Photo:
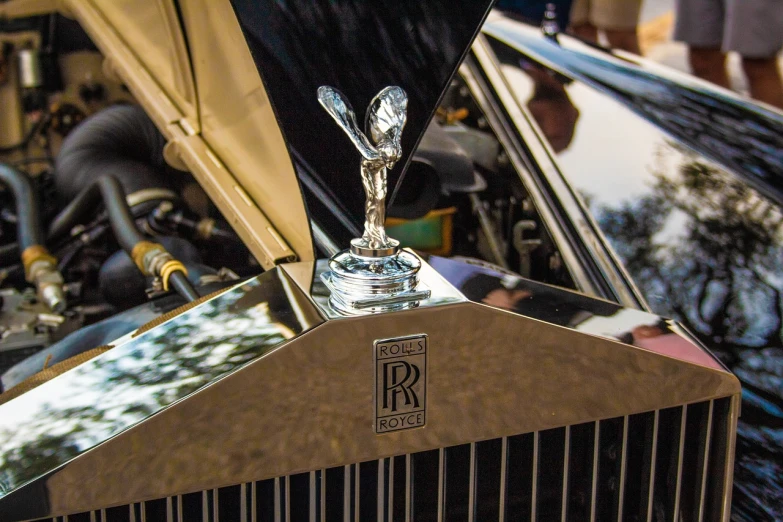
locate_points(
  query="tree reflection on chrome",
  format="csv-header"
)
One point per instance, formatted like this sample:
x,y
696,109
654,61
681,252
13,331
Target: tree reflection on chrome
x,y
707,249
125,385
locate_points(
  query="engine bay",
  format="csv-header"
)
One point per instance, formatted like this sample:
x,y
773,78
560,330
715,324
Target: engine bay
x,y
99,235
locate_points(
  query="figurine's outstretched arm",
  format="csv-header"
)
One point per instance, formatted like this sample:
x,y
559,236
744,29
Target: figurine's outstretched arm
x,y
340,109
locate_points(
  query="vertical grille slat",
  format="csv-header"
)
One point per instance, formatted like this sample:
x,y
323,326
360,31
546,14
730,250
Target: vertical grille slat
x,y
680,452
653,457
566,456
719,460
623,465
663,465
503,479
534,487
594,487
706,461
667,463
441,482
472,487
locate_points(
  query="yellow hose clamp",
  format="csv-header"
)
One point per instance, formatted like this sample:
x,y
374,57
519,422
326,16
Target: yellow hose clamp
x,y
168,268
139,254
35,254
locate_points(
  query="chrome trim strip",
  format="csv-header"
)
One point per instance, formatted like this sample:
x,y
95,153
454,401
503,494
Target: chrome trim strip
x,y
408,488
391,489
680,454
441,483
356,496
347,493
534,488
653,457
503,478
622,468
253,504
243,502
323,495
705,468
733,418
596,451
381,488
472,488
287,503
313,498
566,458
278,512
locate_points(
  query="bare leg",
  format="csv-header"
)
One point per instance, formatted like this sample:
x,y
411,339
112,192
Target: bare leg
x,y
585,31
764,79
710,65
625,39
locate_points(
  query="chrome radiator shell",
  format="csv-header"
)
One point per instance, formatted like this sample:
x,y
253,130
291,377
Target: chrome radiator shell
x,y
302,399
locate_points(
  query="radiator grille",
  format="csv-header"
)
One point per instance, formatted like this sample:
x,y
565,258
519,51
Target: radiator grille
x,y
664,465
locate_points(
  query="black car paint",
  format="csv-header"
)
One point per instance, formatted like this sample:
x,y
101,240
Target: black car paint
x,y
358,48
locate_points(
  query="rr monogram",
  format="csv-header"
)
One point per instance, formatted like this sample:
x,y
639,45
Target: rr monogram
x,y
400,383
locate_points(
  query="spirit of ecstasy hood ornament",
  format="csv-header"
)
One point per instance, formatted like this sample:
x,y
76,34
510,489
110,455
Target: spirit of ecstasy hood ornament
x,y
386,117
374,276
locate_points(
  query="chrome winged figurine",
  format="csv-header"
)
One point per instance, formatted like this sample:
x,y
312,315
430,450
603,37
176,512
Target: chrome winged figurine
x,y
385,120
374,275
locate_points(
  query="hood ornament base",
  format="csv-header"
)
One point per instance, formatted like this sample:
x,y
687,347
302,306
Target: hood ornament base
x,y
373,275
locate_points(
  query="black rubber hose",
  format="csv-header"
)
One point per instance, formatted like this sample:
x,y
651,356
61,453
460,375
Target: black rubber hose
x,y
108,189
121,220
179,281
29,231
119,141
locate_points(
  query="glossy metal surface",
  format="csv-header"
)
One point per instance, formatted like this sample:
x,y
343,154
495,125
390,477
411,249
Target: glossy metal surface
x,y
309,405
431,288
683,181
361,284
73,413
573,310
357,47
385,119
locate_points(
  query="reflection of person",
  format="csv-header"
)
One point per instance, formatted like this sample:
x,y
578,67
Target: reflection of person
x,y
535,300
752,28
660,339
551,107
616,18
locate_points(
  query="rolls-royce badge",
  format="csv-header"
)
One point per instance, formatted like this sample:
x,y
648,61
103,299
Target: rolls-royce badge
x,y
400,383
373,275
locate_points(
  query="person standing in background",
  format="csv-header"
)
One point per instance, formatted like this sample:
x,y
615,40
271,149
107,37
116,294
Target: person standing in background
x,y
618,20
533,11
752,28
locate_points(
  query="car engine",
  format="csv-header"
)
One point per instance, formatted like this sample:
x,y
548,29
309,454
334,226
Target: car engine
x,y
97,230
